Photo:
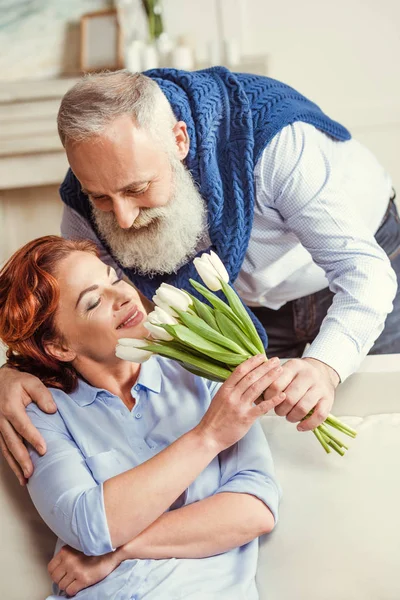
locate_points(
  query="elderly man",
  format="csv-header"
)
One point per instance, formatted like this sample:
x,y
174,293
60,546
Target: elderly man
x,y
168,164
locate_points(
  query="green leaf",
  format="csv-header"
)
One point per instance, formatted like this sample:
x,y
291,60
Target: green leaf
x,y
201,372
208,367
205,312
199,326
210,349
217,303
237,306
233,332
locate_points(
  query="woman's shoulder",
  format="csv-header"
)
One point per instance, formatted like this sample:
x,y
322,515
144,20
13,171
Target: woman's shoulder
x,y
63,401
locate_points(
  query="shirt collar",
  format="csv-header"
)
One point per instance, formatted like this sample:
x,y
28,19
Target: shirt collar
x,y
85,393
149,377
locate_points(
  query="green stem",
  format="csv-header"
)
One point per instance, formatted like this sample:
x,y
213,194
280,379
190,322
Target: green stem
x,y
335,447
334,422
321,440
329,435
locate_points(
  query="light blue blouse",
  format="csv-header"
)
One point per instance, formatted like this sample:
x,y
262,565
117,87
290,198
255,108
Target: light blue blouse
x,y
93,436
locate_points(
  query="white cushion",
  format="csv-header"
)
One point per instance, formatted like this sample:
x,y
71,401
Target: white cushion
x,y
339,528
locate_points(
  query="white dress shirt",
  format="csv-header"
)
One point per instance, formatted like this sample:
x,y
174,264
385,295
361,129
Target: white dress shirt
x,y
318,204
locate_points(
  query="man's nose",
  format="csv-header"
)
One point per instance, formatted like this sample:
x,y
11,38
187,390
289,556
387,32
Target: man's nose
x,y
125,212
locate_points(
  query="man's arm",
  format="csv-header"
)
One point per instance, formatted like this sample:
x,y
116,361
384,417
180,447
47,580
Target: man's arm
x,y
299,182
17,390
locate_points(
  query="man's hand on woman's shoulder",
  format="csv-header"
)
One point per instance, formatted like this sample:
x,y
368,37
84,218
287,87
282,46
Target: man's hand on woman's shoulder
x,y
17,390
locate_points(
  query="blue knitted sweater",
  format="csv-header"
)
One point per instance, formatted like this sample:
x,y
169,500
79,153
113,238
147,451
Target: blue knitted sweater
x,y
230,117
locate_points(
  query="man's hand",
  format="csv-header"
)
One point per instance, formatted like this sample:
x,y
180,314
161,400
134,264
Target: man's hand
x,y
308,384
17,390
73,571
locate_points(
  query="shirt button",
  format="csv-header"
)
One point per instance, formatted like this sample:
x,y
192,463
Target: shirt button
x,y
138,415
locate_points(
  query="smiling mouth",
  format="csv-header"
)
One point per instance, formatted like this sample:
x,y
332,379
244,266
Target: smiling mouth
x,y
129,321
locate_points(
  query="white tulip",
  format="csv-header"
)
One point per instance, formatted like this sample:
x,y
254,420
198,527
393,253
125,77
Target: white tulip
x,y
211,270
169,297
164,306
159,316
158,333
131,349
219,266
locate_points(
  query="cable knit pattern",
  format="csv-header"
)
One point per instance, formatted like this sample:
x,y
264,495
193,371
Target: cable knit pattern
x,y
230,117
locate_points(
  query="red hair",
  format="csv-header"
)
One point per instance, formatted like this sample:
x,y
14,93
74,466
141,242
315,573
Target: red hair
x,y
29,296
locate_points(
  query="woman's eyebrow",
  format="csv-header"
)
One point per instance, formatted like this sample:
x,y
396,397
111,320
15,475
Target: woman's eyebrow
x,y
91,288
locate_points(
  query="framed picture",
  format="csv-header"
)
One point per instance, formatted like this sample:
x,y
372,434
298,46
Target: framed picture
x,y
101,41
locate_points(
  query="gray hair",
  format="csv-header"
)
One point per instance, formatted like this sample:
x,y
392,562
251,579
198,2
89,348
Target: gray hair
x,y
98,99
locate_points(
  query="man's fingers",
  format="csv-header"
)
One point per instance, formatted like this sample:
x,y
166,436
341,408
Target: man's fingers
x,y
12,463
22,424
16,448
265,406
303,407
319,415
295,392
38,393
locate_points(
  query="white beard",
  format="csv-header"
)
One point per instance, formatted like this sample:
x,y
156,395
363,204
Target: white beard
x,y
161,239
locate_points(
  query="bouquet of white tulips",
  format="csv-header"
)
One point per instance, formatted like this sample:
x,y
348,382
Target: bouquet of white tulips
x,y
209,340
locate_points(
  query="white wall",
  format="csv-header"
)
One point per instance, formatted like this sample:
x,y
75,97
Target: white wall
x,y
344,55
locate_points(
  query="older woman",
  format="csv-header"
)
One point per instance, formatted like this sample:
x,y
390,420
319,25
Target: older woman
x,y
148,468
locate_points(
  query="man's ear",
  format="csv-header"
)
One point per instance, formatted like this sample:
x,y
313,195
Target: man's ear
x,y
182,139
59,351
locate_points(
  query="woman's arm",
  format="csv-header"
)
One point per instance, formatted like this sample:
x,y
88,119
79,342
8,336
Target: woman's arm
x,y
244,507
96,518
205,528
225,520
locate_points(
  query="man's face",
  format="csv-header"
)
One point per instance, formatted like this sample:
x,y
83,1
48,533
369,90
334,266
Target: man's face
x,y
122,171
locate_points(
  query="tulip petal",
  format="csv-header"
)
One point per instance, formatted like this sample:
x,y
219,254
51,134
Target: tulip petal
x,y
207,273
132,354
219,266
158,333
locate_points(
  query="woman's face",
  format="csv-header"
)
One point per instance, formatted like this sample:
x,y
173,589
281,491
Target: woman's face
x,y
96,308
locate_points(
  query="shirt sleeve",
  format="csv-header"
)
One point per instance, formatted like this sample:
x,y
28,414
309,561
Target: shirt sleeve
x,y
76,227
63,490
247,468
300,184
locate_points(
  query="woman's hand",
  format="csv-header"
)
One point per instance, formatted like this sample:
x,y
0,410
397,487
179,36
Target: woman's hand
x,y
232,411
17,390
73,571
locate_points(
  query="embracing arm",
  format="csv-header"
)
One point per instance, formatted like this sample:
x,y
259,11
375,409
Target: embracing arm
x,y
17,390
